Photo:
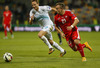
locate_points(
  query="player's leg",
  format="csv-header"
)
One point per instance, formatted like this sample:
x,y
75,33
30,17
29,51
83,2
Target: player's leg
x,y
70,42
80,48
11,32
5,31
59,36
41,35
76,38
72,45
53,43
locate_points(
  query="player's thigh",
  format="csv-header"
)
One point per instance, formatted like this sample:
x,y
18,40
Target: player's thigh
x,y
48,28
75,35
77,41
49,36
72,45
42,33
9,26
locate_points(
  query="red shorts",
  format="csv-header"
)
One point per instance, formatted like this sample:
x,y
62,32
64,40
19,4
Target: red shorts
x,y
70,37
7,25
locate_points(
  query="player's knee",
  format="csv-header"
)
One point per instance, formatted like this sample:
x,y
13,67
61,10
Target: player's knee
x,y
76,41
51,42
39,35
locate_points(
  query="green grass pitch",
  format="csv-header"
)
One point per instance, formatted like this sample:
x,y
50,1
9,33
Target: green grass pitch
x,y
30,52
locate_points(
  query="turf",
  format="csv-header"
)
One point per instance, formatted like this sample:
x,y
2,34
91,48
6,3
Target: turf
x,y
30,52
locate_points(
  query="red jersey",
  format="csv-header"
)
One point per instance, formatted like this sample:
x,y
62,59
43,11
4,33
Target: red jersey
x,y
7,17
65,20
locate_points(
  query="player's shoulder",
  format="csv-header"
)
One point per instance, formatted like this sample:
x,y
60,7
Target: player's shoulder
x,y
67,11
9,11
32,10
4,11
44,7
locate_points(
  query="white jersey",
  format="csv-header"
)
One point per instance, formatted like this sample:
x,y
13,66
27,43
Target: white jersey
x,y
42,15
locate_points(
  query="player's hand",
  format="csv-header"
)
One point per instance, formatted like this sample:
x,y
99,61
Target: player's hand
x,y
63,35
69,28
31,19
30,22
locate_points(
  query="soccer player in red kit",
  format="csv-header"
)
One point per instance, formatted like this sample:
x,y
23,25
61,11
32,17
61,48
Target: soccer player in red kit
x,y
68,21
7,17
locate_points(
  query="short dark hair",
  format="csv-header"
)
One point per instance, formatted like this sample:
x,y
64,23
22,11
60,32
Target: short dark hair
x,y
35,1
62,5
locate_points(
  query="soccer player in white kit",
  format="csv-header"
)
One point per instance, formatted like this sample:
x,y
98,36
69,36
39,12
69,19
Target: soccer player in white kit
x,y
40,14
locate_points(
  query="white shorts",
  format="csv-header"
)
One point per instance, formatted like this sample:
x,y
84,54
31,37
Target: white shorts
x,y
48,29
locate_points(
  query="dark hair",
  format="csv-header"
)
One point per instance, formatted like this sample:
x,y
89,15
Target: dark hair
x,y
35,1
62,5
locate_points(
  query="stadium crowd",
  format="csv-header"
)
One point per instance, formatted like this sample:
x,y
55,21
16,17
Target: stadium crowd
x,y
88,11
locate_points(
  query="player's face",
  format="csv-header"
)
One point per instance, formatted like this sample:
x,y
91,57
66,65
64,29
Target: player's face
x,y
35,5
6,8
59,9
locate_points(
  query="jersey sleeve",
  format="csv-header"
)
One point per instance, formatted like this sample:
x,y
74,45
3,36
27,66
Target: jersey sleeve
x,y
31,13
47,8
72,15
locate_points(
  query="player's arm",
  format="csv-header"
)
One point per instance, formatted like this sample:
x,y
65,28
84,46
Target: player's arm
x,y
57,28
49,8
76,21
61,33
73,17
54,9
31,17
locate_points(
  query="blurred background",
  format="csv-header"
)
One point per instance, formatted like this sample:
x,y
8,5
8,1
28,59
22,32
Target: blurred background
x,y
88,11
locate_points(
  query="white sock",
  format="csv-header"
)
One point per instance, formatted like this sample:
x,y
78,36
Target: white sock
x,y
57,46
46,42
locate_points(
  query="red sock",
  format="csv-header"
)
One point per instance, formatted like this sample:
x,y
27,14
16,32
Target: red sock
x,y
11,31
5,31
80,48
